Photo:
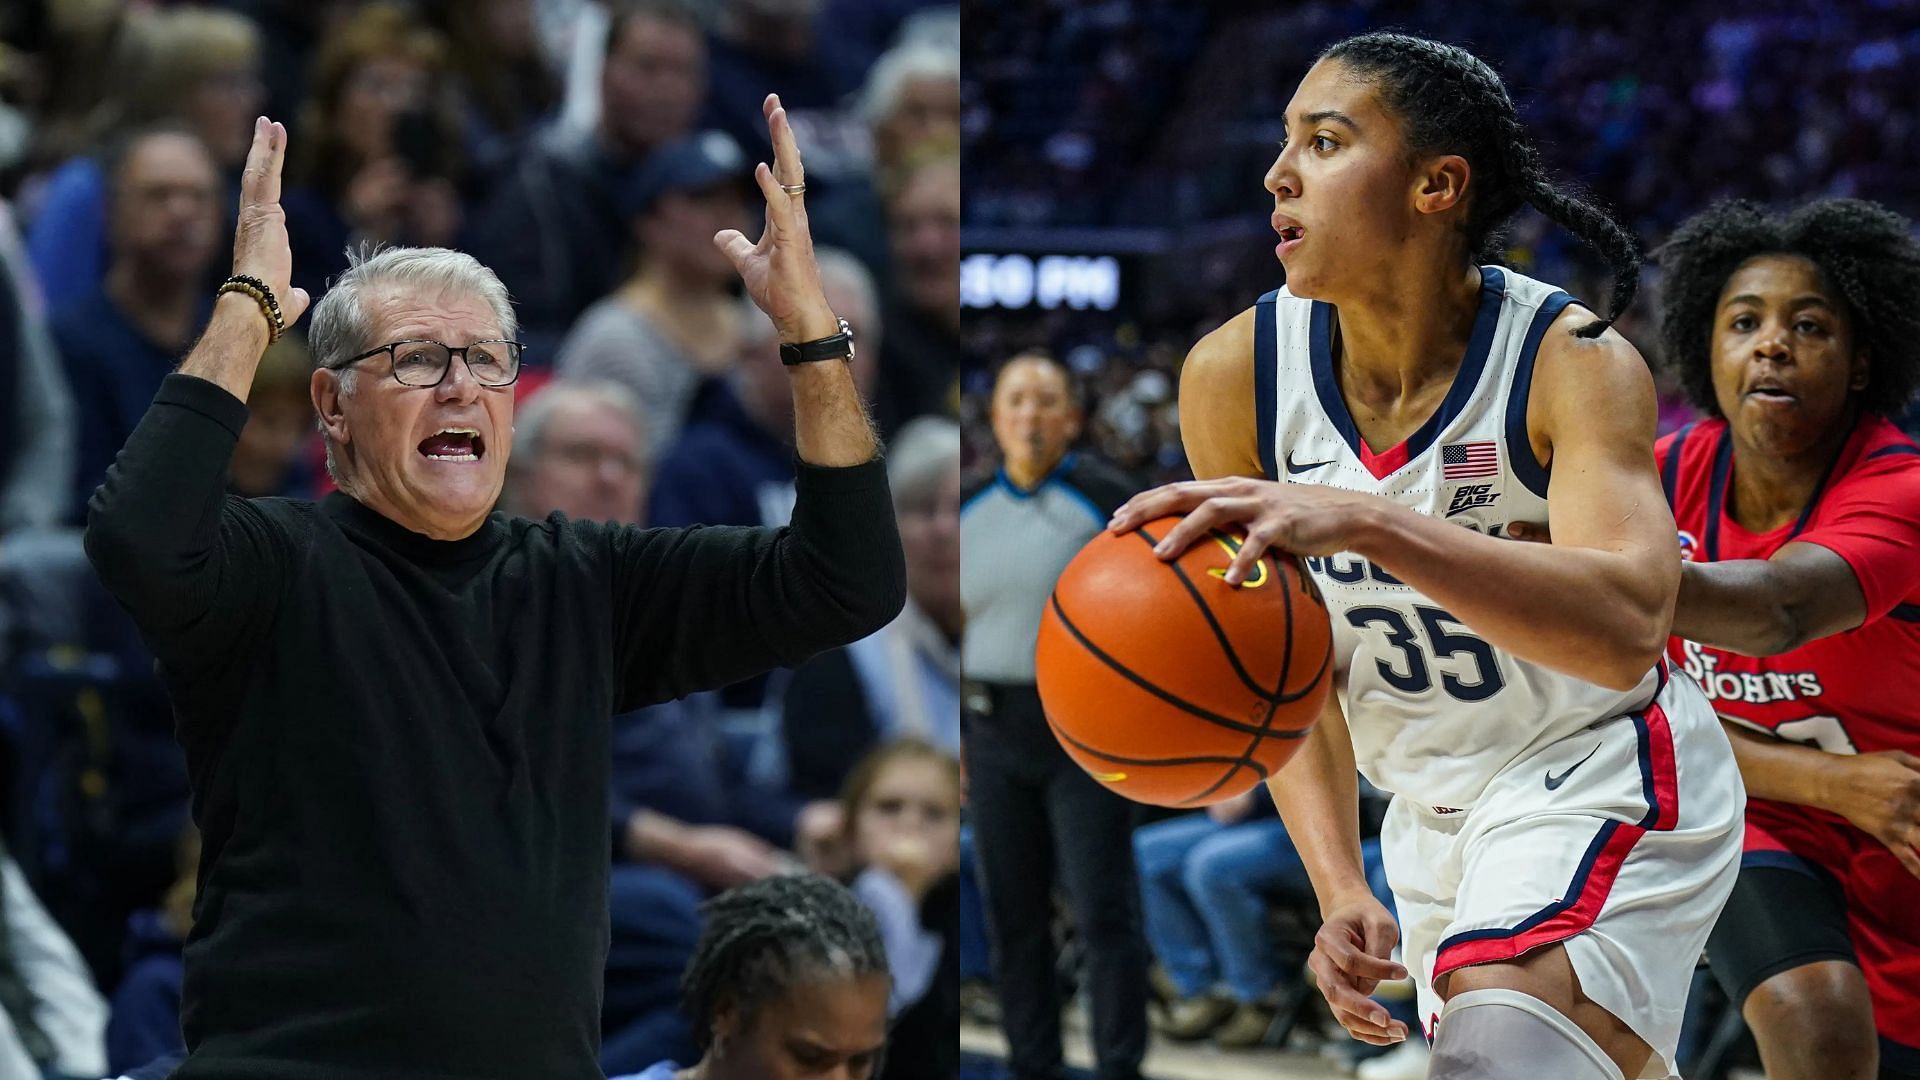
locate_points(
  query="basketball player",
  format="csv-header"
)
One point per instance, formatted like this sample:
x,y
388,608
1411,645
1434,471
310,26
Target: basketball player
x,y
1564,829
1799,612
789,981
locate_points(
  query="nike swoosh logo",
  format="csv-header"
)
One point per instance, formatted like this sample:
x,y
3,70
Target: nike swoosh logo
x,y
1303,466
1108,777
1553,782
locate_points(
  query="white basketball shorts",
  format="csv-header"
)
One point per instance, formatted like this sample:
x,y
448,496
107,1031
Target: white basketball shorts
x,y
1620,844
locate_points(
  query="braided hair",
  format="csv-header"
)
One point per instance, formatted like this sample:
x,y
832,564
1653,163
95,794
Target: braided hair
x,y
1451,102
763,938
1864,251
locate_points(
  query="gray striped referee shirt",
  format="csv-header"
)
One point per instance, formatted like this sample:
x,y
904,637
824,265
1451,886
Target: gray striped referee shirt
x,y
1016,542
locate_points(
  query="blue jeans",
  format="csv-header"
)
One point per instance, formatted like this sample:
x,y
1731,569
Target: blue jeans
x,y
976,961
1205,887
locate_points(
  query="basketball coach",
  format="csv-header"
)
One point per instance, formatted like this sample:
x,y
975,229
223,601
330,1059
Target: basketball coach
x,y
395,703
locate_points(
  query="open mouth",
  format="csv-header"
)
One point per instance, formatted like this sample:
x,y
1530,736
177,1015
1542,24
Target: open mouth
x,y
1291,232
454,444
1767,392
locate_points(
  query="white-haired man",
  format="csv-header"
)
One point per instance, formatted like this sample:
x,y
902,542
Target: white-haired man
x,y
395,703
582,450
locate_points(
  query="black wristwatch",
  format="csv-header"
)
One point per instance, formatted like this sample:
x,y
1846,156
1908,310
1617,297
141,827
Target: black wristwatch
x,y
837,347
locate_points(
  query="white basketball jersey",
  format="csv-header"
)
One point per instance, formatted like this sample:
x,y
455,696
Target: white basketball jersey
x,y
1435,710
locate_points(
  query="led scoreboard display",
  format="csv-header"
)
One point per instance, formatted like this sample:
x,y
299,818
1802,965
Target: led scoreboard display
x,y
1016,282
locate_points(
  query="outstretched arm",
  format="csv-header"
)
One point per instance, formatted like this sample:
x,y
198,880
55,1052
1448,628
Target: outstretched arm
x,y
741,601
229,352
1596,605
193,565
1763,607
830,423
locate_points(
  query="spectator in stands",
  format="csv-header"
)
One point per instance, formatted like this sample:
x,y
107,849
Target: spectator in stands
x,y
921,372
675,322
582,450
1204,883
195,65
507,86
911,99
733,463
760,44
554,230
121,340
36,407
382,162
902,806
268,459
903,682
790,981
51,1018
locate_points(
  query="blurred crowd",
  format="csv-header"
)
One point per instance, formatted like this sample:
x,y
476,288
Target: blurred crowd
x,y
587,151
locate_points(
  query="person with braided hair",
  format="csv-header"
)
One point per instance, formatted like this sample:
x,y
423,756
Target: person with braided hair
x,y
789,980
1565,822
1799,612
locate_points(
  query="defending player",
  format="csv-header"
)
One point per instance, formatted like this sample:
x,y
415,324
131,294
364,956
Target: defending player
x,y
1799,613
1565,826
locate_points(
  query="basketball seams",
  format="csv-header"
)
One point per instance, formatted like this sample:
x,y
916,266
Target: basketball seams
x,y
1148,685
1233,764
1256,733
1220,632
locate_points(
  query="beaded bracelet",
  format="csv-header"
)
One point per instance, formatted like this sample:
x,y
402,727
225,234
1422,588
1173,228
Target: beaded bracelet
x,y
252,286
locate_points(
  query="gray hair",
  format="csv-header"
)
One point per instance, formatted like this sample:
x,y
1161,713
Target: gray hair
x,y
898,66
924,453
340,326
530,422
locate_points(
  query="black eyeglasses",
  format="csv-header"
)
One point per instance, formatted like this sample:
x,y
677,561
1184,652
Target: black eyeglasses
x,y
426,363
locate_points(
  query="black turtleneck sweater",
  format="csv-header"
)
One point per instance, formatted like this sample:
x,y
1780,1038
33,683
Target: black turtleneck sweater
x,y
399,746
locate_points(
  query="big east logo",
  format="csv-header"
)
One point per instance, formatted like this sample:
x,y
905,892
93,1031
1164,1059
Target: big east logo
x,y
1471,497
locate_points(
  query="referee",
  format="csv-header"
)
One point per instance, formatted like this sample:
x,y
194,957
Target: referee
x,y
1033,809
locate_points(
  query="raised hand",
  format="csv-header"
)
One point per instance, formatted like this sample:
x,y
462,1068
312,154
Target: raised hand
x,y
779,271
260,246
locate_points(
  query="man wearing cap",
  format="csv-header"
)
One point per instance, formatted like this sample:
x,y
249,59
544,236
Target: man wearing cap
x,y
674,322
552,228
395,703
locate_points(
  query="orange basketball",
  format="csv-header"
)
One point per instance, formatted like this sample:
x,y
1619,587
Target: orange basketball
x,y
1172,687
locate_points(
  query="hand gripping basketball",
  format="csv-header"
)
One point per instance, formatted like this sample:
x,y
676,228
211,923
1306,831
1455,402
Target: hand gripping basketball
x,y
1305,519
1172,685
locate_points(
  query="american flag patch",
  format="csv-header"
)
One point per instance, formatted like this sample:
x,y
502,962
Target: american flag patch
x,y
1464,461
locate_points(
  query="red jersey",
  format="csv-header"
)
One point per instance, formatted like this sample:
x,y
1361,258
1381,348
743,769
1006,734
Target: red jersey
x,y
1847,693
